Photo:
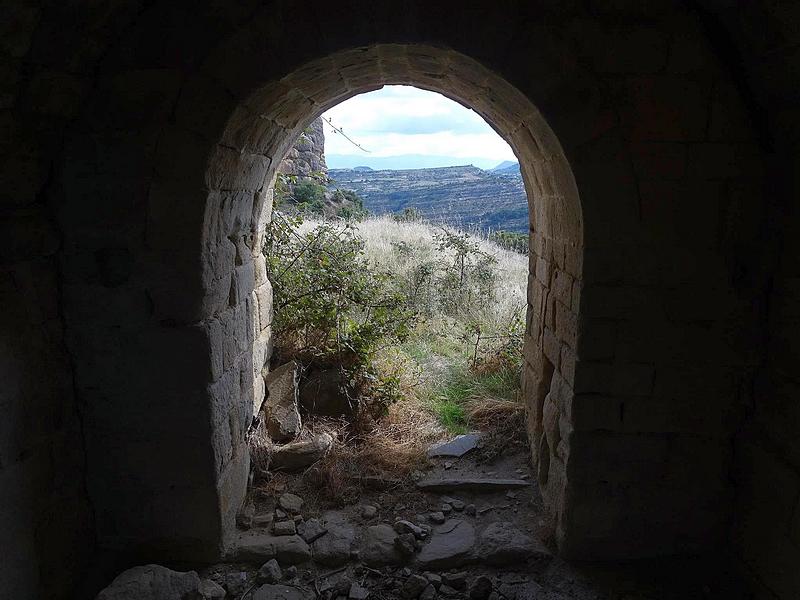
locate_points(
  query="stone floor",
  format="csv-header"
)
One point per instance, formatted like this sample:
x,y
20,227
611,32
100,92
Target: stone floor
x,y
465,529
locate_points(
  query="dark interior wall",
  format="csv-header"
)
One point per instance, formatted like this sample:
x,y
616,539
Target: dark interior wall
x,y
56,58
761,41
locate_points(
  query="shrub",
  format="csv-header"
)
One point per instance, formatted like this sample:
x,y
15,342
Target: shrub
x,y
332,306
510,240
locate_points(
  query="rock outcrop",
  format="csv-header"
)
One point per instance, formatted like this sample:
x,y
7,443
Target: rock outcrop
x,y
307,156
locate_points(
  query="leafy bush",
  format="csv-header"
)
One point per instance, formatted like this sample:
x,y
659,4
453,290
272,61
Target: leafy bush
x,y
309,196
518,242
332,306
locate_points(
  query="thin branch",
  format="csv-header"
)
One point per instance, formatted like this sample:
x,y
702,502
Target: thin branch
x,y
340,131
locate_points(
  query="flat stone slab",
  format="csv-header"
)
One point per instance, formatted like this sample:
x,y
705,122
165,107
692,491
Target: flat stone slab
x,y
333,549
451,546
476,484
456,447
260,547
504,543
278,592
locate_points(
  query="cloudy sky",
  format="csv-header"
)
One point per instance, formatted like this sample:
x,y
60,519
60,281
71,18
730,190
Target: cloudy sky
x,y
401,121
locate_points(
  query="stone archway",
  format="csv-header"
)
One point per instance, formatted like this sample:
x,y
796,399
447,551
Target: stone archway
x,y
241,173
168,275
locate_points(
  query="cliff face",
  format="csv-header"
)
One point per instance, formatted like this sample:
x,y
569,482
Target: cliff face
x,y
461,196
307,156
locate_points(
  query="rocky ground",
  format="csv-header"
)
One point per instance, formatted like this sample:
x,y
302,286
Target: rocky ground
x,y
465,529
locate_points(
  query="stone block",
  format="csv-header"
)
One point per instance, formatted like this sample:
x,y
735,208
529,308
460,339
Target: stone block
x,y
566,325
552,347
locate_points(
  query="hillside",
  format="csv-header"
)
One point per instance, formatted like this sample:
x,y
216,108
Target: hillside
x,y
463,196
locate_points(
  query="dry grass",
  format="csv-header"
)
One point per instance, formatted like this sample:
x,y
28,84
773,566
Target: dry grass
x,y
502,423
366,453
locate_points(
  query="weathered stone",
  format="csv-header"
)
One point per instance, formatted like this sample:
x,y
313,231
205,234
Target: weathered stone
x,y
456,580
284,528
413,586
152,582
325,393
291,503
368,511
451,545
357,592
503,543
210,590
405,544
404,526
281,404
270,572
457,484
260,547
480,588
456,447
311,530
379,546
429,593
436,518
278,592
301,454
333,549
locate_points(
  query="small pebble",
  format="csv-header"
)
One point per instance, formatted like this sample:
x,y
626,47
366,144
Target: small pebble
x,y
368,511
457,505
470,510
290,572
446,509
434,578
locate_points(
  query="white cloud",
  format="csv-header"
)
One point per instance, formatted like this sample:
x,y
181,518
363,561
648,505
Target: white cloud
x,y
398,120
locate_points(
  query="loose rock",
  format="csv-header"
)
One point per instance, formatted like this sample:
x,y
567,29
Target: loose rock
x,y
436,518
457,447
270,572
284,528
451,545
290,503
302,453
211,590
503,543
278,592
413,586
481,588
429,593
379,546
280,405
404,526
405,544
152,582
368,511
311,530
357,592
333,549
260,547
456,580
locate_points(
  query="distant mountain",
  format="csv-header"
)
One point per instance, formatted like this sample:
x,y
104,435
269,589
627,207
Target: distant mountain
x,y
512,169
504,164
362,168
464,196
403,161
